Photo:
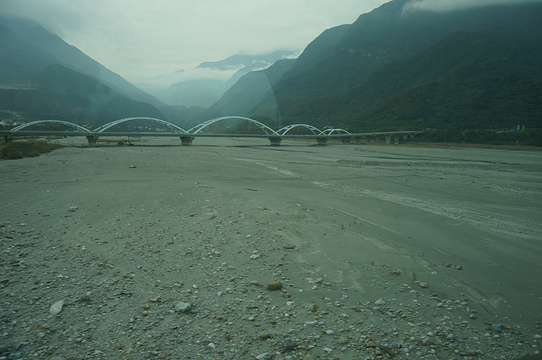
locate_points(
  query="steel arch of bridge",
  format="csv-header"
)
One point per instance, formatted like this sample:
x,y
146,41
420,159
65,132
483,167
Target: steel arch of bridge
x,y
338,131
286,129
120,121
22,126
196,129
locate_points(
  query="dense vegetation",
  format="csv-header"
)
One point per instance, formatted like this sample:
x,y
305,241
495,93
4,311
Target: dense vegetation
x,y
23,149
486,137
469,80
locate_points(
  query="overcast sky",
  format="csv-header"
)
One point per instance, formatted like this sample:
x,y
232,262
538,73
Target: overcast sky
x,y
143,40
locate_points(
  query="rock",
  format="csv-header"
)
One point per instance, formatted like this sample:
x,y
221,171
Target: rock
x,y
289,343
310,357
380,302
424,285
132,167
264,335
85,297
497,327
182,307
4,350
312,307
427,341
274,285
447,264
56,307
264,356
459,267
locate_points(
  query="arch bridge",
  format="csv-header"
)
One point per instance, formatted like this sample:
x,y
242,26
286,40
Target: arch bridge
x,y
187,136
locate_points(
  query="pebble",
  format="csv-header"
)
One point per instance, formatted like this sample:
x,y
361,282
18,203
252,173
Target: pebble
x,y
182,307
56,307
497,327
274,285
264,356
289,343
264,335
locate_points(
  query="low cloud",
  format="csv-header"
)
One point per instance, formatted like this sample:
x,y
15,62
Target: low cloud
x,y
453,5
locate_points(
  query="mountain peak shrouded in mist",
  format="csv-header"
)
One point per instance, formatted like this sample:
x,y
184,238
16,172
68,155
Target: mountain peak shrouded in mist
x,y
442,6
241,61
211,79
60,52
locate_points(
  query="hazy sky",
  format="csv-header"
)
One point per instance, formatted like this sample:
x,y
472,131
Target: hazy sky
x,y
146,41
143,39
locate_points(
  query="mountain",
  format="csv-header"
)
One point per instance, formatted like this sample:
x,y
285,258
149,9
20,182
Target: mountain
x,y
71,57
42,77
485,79
57,92
249,91
345,66
205,91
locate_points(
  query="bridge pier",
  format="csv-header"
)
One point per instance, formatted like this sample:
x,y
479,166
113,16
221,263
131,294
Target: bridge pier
x,y
7,139
321,140
346,139
186,140
394,138
275,140
92,139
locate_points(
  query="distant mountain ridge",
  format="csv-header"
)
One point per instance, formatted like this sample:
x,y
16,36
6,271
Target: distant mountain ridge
x,y
206,91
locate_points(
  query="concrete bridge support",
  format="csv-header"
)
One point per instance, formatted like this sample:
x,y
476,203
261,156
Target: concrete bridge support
x,y
321,140
275,140
390,138
92,139
7,139
186,140
346,139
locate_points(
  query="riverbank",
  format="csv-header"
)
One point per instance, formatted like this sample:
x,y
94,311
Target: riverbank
x,y
419,253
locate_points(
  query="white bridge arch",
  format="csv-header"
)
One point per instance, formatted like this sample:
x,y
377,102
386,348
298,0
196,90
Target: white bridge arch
x,y
23,126
266,129
120,121
286,129
338,131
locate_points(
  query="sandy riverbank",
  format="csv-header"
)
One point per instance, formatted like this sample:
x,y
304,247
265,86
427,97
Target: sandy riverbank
x,y
417,253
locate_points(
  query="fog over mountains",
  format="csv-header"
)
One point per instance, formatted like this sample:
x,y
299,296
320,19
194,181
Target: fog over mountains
x,y
405,65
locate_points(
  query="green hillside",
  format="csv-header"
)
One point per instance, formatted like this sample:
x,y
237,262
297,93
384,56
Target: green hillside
x,y
475,68
489,79
63,94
